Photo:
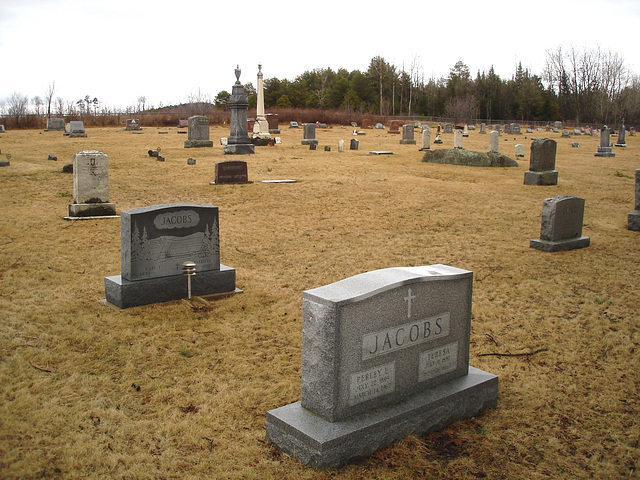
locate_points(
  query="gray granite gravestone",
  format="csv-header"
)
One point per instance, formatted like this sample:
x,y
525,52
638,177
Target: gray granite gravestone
x,y
132,124
198,133
542,163
76,129
407,135
355,143
561,227
309,134
633,221
155,242
55,124
91,186
385,354
483,128
605,150
448,128
622,142
238,142
2,129
557,124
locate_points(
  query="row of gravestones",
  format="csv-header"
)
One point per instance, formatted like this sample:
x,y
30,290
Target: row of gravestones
x,y
384,354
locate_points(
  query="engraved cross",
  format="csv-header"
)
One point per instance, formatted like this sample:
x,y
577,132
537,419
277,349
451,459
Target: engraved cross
x,y
408,299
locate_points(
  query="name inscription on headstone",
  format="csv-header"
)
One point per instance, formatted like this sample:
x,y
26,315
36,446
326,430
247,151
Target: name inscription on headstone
x,y
372,383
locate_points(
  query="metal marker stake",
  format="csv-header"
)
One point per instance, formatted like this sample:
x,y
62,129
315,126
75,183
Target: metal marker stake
x,y
189,269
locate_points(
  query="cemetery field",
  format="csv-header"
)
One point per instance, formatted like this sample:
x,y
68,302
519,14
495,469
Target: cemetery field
x,y
181,389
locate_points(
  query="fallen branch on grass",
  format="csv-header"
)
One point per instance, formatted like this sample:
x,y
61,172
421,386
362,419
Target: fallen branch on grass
x,y
42,369
524,354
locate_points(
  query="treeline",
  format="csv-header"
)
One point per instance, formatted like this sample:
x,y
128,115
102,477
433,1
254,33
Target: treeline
x,y
576,86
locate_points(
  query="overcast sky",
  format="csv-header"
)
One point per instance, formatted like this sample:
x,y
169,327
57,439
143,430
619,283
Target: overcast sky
x,y
120,50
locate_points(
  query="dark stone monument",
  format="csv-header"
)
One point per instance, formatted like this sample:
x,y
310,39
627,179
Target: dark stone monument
x,y
238,141
394,126
385,354
231,172
542,163
622,142
561,227
272,120
355,143
634,216
155,242
309,137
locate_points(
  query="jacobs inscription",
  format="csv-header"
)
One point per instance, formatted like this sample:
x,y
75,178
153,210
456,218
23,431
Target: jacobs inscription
x,y
406,335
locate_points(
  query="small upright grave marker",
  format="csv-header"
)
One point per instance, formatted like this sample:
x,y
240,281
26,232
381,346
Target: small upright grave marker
x,y
605,150
55,124
426,138
622,142
91,186
198,133
76,129
561,227
155,242
494,141
519,150
542,163
407,135
385,354
394,126
309,134
231,172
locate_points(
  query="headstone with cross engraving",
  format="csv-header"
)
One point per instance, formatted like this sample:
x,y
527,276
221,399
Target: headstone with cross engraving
x,y
384,348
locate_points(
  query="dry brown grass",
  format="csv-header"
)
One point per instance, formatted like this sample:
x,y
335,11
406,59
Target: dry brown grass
x,y
180,390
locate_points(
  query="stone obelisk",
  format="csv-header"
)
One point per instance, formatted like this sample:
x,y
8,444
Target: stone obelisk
x,y
238,142
261,134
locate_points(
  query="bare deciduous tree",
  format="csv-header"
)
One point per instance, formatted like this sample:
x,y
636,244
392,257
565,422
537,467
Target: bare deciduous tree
x,y
48,96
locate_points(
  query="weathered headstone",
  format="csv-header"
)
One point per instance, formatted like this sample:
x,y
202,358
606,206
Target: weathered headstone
x,y
496,128
633,220
191,161
515,128
367,123
465,131
575,144
457,139
183,123
293,124
132,124
565,133
379,126
605,150
494,141
238,142
448,128
483,128
231,172
622,142
91,186
340,145
407,135
198,133
557,124
394,126
309,135
55,124
542,163
577,131
155,242
561,227
272,120
76,129
2,129
426,137
355,143
519,150
385,354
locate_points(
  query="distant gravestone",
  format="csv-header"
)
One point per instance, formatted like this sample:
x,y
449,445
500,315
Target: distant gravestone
x,y
633,221
565,134
309,134
575,144
519,150
496,128
272,121
2,129
238,141
379,126
340,145
198,133
407,135
183,123
155,242
367,123
232,171
621,136
529,130
448,128
355,143
457,139
394,127
577,131
191,161
483,128
426,137
91,186
385,354
76,129
494,141
293,124
514,128
557,124
133,124
465,131
561,227
542,163
55,124
605,150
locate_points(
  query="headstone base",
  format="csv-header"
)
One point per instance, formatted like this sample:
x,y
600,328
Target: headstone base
x,y
318,443
274,131
4,163
240,149
560,245
261,141
407,142
620,145
125,294
92,209
604,152
198,143
633,222
309,141
549,177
